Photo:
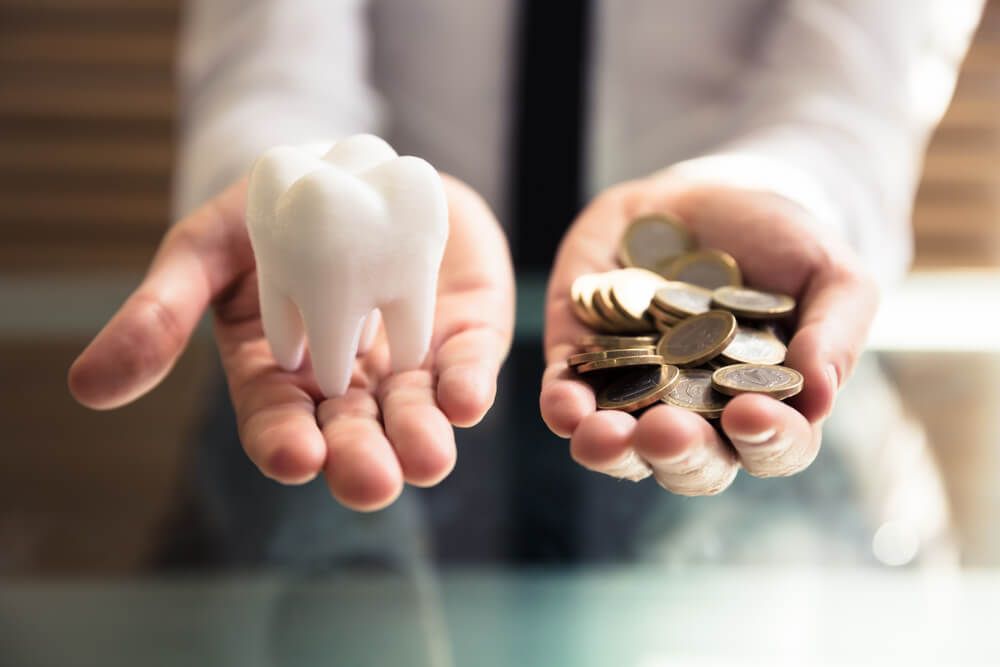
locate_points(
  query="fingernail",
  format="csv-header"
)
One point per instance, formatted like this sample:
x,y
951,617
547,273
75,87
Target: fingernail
x,y
833,377
756,438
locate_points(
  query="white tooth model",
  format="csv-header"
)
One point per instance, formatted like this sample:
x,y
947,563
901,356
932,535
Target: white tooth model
x,y
338,233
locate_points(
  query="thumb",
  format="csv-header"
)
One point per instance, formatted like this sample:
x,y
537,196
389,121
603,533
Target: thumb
x,y
837,310
135,350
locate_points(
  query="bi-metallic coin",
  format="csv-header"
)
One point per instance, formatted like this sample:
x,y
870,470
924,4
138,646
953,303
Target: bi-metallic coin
x,y
586,357
775,381
637,389
706,268
620,362
698,339
682,299
611,342
693,391
650,240
753,346
753,304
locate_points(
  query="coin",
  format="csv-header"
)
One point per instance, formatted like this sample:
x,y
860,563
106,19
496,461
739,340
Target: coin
x,y
682,299
632,290
775,329
662,326
638,388
582,299
620,362
652,239
698,339
611,319
585,357
751,303
753,346
615,319
776,381
693,391
707,268
610,342
668,319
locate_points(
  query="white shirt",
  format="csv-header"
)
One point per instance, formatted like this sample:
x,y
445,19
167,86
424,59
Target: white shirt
x,y
827,102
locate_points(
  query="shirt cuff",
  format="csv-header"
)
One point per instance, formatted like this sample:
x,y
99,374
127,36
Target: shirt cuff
x,y
754,171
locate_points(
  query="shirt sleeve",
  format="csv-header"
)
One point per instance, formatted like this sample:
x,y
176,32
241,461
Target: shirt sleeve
x,y
839,108
256,73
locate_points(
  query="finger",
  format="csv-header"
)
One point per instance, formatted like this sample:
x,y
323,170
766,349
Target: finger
x,y
416,428
837,310
603,440
564,402
687,456
275,409
771,438
198,258
361,467
467,366
474,321
565,399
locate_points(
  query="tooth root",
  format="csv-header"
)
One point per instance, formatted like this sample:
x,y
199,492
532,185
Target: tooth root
x,y
333,342
408,325
368,332
282,325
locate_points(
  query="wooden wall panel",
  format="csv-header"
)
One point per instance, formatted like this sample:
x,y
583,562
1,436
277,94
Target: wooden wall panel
x,y
86,124
957,214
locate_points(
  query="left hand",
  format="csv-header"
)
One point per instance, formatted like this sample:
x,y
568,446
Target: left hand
x,y
778,249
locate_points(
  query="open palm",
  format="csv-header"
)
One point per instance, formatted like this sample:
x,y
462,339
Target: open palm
x,y
388,428
778,248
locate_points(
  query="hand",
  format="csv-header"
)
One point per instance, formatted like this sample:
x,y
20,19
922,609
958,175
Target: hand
x,y
777,250
387,428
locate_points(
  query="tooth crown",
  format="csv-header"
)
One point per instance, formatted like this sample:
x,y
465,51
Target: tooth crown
x,y
337,234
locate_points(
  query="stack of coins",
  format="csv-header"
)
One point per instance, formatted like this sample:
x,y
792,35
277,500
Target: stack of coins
x,y
676,325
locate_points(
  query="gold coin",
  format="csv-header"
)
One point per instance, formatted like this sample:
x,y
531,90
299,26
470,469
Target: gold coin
x,y
693,391
698,339
753,346
632,290
707,268
682,299
584,357
751,303
611,342
652,239
620,362
582,299
775,381
637,389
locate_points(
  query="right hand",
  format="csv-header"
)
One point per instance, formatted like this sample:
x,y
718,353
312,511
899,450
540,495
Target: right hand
x,y
387,428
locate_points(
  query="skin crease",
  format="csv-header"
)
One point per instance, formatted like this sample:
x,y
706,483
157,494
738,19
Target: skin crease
x,y
779,249
387,429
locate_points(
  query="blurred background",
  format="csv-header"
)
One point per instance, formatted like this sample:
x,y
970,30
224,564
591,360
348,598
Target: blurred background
x,y
86,130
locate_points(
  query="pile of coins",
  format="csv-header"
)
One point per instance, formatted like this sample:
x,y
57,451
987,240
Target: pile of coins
x,y
677,325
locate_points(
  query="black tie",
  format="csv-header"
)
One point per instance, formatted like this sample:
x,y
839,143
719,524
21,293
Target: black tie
x,y
548,124
546,195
